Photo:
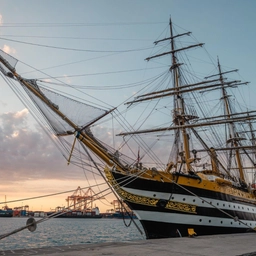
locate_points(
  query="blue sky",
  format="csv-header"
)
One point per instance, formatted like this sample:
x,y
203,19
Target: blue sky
x,y
97,36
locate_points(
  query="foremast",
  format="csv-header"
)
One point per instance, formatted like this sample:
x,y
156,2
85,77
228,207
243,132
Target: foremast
x,y
179,110
180,118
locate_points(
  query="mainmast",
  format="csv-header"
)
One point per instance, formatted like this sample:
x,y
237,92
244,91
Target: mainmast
x,y
233,138
253,142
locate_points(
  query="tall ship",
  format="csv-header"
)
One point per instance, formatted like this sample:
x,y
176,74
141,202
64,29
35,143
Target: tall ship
x,y
186,158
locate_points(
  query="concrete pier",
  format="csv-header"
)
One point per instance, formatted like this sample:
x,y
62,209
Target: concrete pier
x,y
222,245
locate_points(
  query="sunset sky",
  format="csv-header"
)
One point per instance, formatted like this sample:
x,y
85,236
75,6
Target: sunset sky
x,y
99,40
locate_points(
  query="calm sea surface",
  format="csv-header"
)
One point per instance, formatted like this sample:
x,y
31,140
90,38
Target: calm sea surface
x,y
57,232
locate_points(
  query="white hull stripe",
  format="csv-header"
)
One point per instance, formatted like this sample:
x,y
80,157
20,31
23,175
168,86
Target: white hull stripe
x,y
192,219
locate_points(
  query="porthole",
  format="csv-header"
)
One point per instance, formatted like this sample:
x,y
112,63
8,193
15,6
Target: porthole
x,y
223,204
221,222
217,203
184,199
210,221
194,200
200,220
234,206
202,202
231,223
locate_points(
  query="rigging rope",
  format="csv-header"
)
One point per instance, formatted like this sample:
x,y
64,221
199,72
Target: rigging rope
x,y
111,188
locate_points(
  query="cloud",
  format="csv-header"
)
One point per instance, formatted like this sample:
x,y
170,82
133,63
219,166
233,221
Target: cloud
x,y
1,20
32,165
28,153
4,104
67,79
8,49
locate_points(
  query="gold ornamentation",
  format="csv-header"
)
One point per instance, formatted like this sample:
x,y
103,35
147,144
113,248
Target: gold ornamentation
x,y
181,207
172,205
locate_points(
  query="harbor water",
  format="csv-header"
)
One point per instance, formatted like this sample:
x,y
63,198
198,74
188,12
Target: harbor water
x,y
58,232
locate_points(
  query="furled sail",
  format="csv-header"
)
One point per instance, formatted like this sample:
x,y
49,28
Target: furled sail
x,y
9,63
79,113
54,107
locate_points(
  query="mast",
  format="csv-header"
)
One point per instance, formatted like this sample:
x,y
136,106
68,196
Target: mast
x,y
179,110
233,138
253,142
180,117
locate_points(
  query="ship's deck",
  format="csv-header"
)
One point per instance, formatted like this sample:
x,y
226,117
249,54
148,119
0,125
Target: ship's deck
x,y
228,245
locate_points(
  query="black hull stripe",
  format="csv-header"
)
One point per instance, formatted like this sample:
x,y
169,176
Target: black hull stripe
x,y
200,224
156,229
172,189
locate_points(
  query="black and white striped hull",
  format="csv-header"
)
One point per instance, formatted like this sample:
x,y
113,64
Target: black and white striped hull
x,y
216,213
158,224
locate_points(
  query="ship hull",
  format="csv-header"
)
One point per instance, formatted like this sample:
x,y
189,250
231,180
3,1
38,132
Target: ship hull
x,y
79,216
5,214
75,215
169,210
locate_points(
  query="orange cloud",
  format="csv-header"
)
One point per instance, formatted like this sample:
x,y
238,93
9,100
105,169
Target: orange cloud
x,y
8,49
23,113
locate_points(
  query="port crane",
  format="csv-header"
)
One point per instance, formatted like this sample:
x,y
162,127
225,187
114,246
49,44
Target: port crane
x,y
82,200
